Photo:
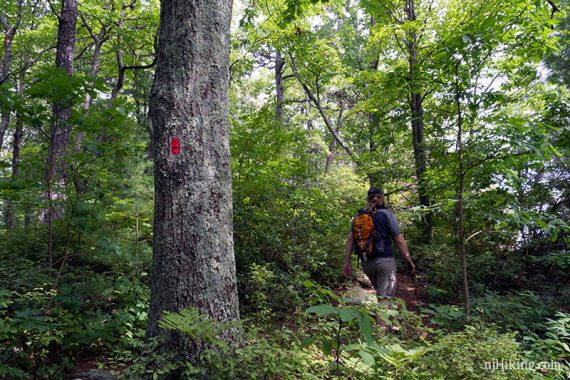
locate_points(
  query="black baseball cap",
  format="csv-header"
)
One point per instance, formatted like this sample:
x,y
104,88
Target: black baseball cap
x,y
374,191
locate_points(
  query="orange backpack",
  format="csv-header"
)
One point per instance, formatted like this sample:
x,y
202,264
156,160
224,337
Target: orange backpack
x,y
363,234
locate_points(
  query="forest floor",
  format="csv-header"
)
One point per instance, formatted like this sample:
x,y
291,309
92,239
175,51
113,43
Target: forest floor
x,y
411,290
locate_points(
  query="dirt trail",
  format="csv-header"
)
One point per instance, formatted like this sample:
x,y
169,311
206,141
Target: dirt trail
x,y
412,291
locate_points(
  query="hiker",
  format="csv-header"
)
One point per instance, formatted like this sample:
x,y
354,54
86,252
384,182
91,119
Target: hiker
x,y
377,252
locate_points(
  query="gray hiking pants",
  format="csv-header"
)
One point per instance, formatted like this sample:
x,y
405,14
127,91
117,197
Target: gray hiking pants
x,y
382,274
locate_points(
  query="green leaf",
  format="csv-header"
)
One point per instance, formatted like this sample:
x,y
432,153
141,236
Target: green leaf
x,y
392,313
309,284
307,342
322,309
366,357
347,315
326,347
365,327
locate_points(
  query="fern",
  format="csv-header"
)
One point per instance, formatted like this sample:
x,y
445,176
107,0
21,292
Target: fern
x,y
195,324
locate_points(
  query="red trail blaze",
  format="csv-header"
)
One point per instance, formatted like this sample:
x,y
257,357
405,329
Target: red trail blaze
x,y
175,145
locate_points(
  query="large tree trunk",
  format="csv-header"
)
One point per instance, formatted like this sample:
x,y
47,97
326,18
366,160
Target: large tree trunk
x,y
60,131
417,111
193,258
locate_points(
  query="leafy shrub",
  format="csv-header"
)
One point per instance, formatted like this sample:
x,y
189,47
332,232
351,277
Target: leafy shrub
x,y
462,355
554,269
144,361
555,346
271,294
449,317
439,262
256,356
43,329
522,311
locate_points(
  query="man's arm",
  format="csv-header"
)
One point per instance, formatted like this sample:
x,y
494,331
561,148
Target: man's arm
x,y
403,248
347,268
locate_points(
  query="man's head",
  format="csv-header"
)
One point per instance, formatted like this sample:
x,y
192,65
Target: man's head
x,y
375,194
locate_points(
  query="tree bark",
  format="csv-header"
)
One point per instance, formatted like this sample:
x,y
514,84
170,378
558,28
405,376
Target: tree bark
x,y
279,89
98,39
119,54
9,33
460,211
331,154
193,256
417,111
16,150
60,131
373,121
333,145
16,143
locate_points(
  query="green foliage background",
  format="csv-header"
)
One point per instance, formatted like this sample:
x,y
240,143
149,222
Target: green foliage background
x,y
499,69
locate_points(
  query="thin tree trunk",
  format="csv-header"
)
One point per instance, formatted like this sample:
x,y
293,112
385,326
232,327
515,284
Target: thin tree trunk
x,y
16,143
119,54
333,145
417,111
9,33
28,217
373,176
16,150
120,65
98,39
122,68
331,155
60,130
460,206
321,110
5,114
279,89
193,256
373,121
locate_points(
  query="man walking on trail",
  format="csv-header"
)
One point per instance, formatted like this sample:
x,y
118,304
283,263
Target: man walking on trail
x,y
377,258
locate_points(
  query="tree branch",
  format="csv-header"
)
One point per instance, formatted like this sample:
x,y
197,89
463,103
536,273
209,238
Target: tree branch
x,y
4,22
493,157
554,8
325,117
53,10
19,19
